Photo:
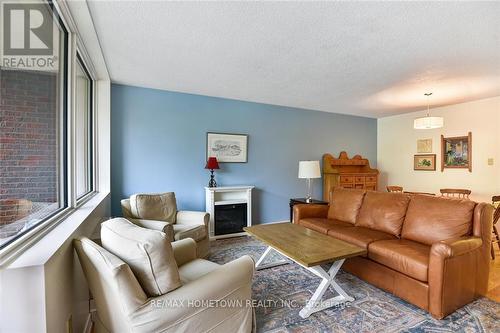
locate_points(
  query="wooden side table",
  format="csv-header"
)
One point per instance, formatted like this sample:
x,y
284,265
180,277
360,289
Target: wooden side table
x,y
296,201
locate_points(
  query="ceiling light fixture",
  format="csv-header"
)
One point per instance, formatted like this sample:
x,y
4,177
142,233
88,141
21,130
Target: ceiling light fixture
x,y
428,122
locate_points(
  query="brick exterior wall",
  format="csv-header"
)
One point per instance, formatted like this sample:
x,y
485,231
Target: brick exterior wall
x,y
28,139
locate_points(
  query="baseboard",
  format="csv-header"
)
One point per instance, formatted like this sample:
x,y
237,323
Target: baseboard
x,y
238,234
283,221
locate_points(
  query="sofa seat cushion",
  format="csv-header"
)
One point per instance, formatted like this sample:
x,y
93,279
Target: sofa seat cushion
x,y
402,255
359,236
195,269
430,220
196,232
383,212
321,224
345,204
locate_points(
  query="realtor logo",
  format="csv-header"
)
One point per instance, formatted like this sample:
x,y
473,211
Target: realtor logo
x,y
28,36
27,29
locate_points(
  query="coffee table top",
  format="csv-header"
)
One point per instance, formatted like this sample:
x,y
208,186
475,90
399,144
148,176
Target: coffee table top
x,y
304,246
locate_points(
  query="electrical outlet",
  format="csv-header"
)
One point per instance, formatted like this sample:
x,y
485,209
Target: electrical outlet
x,y
491,161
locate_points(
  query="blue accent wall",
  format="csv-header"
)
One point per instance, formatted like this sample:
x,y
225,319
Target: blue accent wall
x,y
158,144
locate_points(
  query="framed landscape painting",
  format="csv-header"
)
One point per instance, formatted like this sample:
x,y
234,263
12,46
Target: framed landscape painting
x,y
228,148
456,152
424,162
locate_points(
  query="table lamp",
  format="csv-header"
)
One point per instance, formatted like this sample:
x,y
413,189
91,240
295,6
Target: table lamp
x,y
212,164
309,170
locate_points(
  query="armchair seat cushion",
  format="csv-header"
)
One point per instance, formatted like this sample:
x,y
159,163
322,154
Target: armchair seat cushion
x,y
196,232
359,236
321,224
405,256
195,269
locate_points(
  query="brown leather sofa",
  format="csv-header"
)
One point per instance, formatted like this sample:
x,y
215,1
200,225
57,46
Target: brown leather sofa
x,y
432,252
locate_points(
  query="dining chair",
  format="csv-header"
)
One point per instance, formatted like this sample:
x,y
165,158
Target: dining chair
x,y
495,239
419,193
394,189
455,193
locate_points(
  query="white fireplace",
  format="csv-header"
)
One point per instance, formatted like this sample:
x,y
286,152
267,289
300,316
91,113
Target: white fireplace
x,y
230,209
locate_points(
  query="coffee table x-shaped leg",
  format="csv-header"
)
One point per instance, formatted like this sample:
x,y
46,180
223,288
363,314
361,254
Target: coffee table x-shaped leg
x,y
316,302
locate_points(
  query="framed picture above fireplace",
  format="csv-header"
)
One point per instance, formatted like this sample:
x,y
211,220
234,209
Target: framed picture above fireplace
x,y
228,148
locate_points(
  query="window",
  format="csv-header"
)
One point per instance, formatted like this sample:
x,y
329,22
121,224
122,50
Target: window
x,y
83,131
33,131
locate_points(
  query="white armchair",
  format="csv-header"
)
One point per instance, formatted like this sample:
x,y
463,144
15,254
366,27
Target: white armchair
x,y
122,305
180,224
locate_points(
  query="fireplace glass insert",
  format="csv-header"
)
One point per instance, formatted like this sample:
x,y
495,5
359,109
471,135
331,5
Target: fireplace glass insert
x,y
230,219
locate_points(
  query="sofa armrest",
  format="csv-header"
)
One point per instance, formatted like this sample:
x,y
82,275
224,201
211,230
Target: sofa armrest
x,y
455,247
184,250
162,226
192,218
201,304
303,211
481,227
452,274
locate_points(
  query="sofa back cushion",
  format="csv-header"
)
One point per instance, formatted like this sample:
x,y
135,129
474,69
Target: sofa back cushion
x,y
162,206
148,253
383,212
345,204
430,219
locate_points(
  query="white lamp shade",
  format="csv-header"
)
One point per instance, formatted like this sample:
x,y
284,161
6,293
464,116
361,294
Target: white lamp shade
x,y
309,169
428,122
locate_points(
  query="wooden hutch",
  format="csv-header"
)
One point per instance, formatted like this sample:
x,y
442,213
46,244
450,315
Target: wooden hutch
x,y
347,173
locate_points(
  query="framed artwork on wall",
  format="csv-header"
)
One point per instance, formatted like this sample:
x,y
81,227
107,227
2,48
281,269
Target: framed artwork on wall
x,y
228,148
424,146
456,152
425,162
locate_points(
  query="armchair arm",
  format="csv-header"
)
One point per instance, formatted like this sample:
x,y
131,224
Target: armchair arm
x,y
184,250
192,218
126,209
452,273
223,295
303,211
162,226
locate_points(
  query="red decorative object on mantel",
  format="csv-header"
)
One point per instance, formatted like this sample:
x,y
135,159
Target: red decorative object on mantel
x,y
212,165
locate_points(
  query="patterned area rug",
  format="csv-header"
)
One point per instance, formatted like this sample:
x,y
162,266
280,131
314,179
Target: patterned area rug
x,y
280,292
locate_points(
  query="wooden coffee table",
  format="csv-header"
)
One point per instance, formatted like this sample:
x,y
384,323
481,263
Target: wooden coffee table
x,y
310,249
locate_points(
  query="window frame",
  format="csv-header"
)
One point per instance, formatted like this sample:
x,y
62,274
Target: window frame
x,y
62,153
67,191
79,60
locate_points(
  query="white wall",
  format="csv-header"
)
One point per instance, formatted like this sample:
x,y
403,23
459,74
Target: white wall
x,y
66,289
39,291
397,143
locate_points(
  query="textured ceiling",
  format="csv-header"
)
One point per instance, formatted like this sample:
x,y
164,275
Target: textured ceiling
x,y
362,58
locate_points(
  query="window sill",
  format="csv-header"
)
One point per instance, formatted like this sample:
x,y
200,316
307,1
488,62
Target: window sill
x,y
43,249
